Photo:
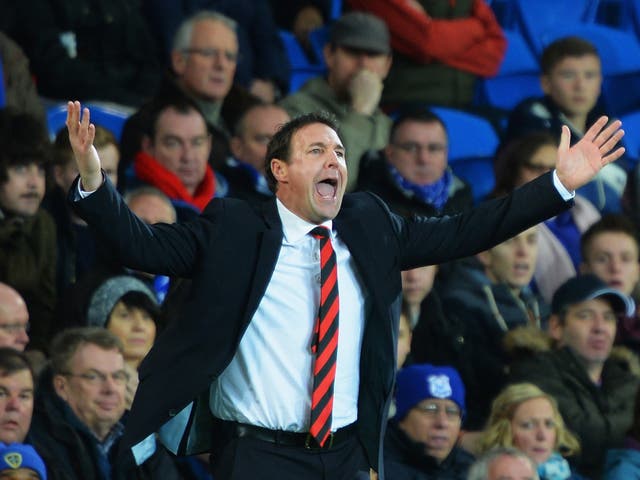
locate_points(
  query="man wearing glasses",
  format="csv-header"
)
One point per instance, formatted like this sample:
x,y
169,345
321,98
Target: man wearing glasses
x,y
412,172
78,420
421,438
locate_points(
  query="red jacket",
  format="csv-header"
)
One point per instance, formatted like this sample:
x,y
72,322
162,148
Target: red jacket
x,y
474,44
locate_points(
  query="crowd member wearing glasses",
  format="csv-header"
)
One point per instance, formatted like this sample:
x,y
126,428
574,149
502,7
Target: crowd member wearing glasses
x,y
412,172
80,406
421,439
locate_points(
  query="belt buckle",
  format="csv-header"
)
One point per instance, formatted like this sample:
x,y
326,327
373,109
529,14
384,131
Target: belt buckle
x,y
309,440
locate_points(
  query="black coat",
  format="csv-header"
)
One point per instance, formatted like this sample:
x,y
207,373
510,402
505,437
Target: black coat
x,y
230,253
405,459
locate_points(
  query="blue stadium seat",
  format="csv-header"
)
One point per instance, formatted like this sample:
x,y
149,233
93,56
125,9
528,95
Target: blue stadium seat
x,y
620,14
518,78
301,68
536,18
472,144
111,118
631,139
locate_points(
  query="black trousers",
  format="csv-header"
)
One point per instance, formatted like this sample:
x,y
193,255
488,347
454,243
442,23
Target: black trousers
x,y
249,458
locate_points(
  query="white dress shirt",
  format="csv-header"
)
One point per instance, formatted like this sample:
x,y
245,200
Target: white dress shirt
x,y
269,381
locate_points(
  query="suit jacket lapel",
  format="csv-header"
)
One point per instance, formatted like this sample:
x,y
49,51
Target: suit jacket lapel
x,y
352,232
267,256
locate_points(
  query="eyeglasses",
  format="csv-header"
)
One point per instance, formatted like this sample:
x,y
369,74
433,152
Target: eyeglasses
x,y
414,148
214,53
95,378
433,409
15,327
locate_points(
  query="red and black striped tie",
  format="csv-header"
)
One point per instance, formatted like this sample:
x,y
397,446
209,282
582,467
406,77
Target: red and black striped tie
x,y
325,344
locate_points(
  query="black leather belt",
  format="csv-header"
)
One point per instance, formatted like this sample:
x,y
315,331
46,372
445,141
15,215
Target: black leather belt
x,y
290,439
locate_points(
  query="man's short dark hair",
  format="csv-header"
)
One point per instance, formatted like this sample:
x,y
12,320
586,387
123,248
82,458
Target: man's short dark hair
x,y
66,343
563,48
180,103
23,141
280,145
611,223
13,361
419,116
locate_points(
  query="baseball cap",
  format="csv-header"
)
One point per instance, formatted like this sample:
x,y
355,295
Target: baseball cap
x,y
362,31
421,381
588,287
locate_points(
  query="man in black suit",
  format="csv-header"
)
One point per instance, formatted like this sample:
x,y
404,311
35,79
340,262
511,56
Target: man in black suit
x,y
236,370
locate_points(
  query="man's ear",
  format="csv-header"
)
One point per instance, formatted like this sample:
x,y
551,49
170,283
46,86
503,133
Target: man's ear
x,y
584,268
235,145
147,145
61,386
485,258
280,170
545,84
178,62
556,327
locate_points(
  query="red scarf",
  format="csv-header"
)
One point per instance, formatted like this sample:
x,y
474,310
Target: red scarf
x,y
149,170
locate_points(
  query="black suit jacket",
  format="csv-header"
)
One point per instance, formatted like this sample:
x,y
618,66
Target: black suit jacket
x,y
230,252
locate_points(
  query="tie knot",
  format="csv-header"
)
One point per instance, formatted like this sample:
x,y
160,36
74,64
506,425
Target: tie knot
x,y
320,232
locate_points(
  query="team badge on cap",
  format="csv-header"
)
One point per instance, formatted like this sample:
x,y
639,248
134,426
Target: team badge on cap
x,y
439,386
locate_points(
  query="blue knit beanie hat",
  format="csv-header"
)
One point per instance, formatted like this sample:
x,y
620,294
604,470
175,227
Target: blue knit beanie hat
x,y
421,381
21,455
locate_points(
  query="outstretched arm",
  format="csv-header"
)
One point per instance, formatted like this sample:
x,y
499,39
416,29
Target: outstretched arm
x,y
577,165
81,135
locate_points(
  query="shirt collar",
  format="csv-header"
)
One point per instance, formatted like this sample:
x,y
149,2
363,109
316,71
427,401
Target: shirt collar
x,y
293,227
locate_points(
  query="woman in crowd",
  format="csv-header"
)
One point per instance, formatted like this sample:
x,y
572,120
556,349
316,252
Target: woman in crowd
x,y
525,417
128,308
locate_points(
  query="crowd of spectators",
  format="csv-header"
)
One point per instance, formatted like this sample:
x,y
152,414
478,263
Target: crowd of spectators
x,y
524,355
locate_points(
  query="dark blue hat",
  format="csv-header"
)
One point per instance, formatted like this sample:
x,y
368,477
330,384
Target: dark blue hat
x,y
21,455
588,287
421,381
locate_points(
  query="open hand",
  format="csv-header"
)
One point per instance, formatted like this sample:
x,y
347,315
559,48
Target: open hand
x,y
81,135
577,165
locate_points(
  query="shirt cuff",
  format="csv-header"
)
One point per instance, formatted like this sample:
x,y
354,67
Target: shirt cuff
x,y
80,193
562,190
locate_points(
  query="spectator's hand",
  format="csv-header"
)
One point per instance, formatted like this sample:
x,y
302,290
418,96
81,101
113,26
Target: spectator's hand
x,y
579,164
81,135
365,90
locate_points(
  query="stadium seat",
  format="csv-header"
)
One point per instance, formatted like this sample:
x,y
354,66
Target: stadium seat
x,y
620,14
472,144
518,78
301,68
631,139
111,118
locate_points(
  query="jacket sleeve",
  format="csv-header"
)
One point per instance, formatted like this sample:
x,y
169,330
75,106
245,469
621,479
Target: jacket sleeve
x,y
475,44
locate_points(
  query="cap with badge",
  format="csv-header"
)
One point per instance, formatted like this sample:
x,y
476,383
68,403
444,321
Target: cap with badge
x,y
418,382
361,31
21,455
589,287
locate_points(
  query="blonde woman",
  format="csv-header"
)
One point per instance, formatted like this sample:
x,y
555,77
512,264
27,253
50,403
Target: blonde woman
x,y
525,417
